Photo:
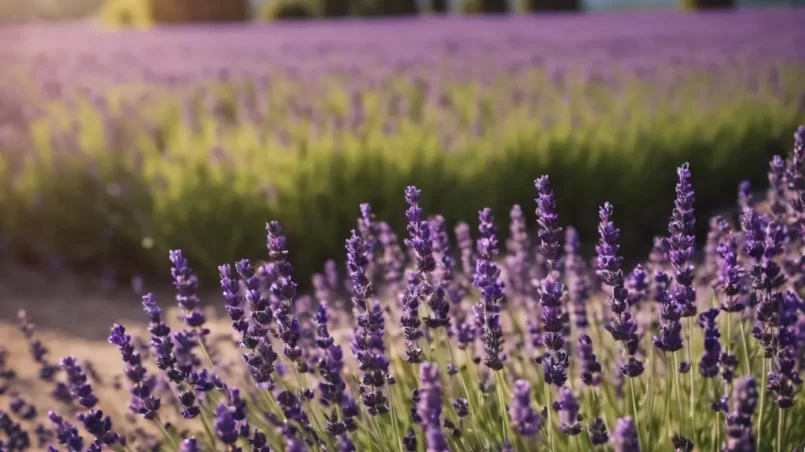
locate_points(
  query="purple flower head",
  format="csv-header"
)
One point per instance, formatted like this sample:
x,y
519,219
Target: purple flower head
x,y
186,286
462,407
598,432
577,281
419,234
525,419
625,437
569,416
77,381
777,192
393,255
731,275
745,198
143,401
487,281
100,427
284,289
17,438
682,444
66,433
636,285
189,445
23,409
225,425
739,420
38,350
680,243
409,440
429,407
710,360
608,262
464,241
518,267
549,233
591,368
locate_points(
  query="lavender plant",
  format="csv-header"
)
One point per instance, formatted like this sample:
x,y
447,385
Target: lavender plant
x,y
394,381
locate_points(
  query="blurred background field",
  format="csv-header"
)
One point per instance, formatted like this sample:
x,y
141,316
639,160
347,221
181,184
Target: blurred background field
x,y
119,145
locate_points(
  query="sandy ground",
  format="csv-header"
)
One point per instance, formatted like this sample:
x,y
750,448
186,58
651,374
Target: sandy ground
x,y
74,318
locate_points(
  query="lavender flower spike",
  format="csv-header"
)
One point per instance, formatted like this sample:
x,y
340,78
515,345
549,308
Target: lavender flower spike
x,y
525,419
739,420
367,339
680,243
429,407
551,293
186,286
568,408
621,326
625,437
284,289
487,273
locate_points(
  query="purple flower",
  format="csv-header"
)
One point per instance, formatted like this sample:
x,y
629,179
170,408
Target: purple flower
x,y
419,234
143,401
621,326
518,268
591,368
569,416
525,419
577,280
487,273
186,286
680,243
598,432
745,199
739,420
429,407
777,192
462,407
625,437
66,433
409,440
38,350
284,289
189,445
17,438
393,255
549,233
636,285
731,275
100,427
367,339
77,381
708,364
463,234
225,425
719,231
681,444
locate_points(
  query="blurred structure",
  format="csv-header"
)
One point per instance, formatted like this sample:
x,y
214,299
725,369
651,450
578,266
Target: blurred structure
x,y
179,11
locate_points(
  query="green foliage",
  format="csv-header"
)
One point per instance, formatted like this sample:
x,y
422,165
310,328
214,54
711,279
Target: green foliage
x,y
385,7
708,4
439,6
335,8
553,5
484,6
287,10
209,186
126,13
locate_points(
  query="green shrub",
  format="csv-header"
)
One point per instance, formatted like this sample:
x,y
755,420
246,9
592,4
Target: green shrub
x,y
553,5
598,144
438,6
484,6
385,7
335,8
125,13
708,4
287,10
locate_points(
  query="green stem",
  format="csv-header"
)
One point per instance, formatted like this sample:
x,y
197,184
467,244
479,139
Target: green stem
x,y
207,428
746,349
467,394
680,410
550,408
779,429
165,432
762,402
397,436
204,348
634,409
692,384
499,376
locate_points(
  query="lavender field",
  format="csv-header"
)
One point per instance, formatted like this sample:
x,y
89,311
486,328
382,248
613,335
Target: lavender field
x,y
378,235
123,144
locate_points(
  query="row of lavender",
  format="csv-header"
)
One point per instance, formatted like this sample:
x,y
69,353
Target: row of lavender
x,y
108,141
535,322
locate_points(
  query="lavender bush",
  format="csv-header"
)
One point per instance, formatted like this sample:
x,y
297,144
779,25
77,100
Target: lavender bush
x,y
438,363
108,141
